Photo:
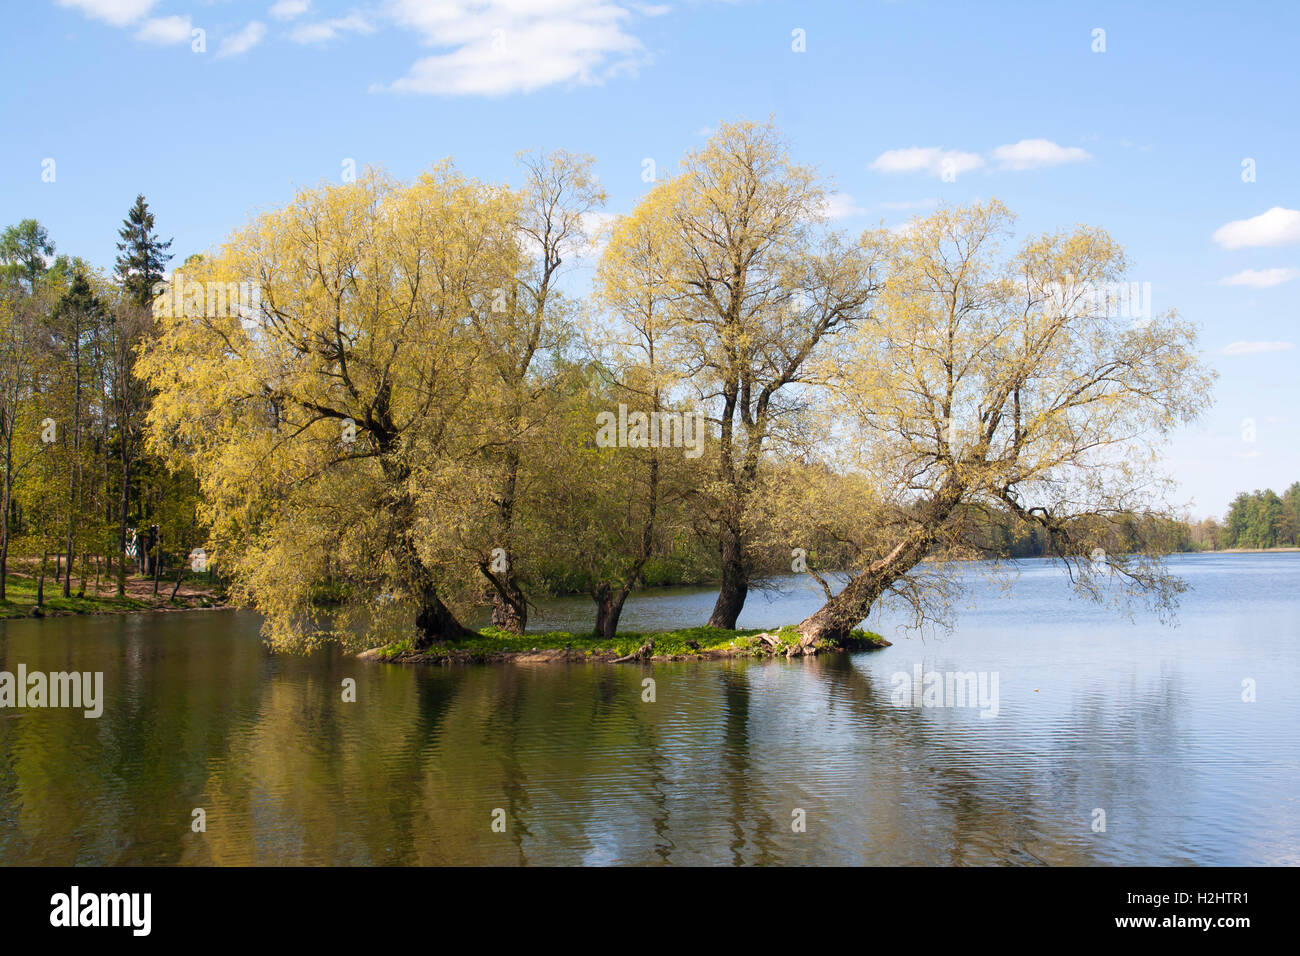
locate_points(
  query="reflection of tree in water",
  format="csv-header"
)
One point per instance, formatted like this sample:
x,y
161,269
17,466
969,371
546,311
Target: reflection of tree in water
x,y
982,810
1124,755
435,693
410,773
646,737
120,789
741,791
509,714
569,728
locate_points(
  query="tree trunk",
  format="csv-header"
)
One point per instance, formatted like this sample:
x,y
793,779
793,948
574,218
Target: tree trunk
x,y
121,541
609,607
846,610
509,606
735,581
74,471
4,505
435,622
842,613
157,562
40,581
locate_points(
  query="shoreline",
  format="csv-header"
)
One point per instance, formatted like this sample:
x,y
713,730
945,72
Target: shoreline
x,y
692,644
197,598
20,601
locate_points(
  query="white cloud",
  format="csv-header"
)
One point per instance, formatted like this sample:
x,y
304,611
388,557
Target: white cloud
x,y
165,30
288,9
244,40
323,30
479,47
1037,153
117,12
1026,154
1276,227
840,206
494,47
911,204
1255,348
1261,278
596,228
928,159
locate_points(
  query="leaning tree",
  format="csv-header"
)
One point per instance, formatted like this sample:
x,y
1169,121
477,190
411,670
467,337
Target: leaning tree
x,y
1004,383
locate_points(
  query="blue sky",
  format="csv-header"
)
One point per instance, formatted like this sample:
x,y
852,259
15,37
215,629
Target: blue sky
x,y
1146,138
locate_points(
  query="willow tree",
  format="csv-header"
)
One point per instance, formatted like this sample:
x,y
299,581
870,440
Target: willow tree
x,y
758,285
1005,383
527,324
322,419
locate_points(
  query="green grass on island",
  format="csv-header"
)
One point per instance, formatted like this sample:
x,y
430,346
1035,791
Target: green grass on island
x,y
492,643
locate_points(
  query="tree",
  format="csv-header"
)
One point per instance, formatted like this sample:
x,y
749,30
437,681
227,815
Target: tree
x,y
142,256
1290,521
17,348
330,430
757,288
1234,526
528,317
23,251
77,314
1004,384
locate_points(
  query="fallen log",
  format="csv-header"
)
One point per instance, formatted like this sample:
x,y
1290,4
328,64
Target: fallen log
x,y
642,653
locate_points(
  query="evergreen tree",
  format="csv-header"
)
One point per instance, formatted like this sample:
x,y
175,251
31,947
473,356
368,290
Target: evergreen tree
x,y
139,269
23,250
1234,526
1291,515
142,255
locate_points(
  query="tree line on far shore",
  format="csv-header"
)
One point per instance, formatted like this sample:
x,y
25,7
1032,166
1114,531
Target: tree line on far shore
x,y
1257,519
82,502
401,420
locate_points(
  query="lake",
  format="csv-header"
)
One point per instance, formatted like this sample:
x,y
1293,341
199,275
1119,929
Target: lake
x,y
821,760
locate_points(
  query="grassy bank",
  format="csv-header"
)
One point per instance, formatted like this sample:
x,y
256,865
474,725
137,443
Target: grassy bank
x,y
696,643
21,598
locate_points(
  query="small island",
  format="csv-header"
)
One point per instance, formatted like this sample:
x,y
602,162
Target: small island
x,y
494,645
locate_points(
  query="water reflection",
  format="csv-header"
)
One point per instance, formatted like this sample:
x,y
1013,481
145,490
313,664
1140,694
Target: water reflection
x,y
1143,722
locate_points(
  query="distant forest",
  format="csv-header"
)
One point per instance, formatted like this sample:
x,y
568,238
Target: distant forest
x,y
1258,519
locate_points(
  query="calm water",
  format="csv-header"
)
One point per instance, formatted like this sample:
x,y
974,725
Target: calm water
x,y
1143,721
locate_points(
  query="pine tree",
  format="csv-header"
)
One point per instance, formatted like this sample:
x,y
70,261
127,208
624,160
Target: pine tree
x,y
139,269
142,255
